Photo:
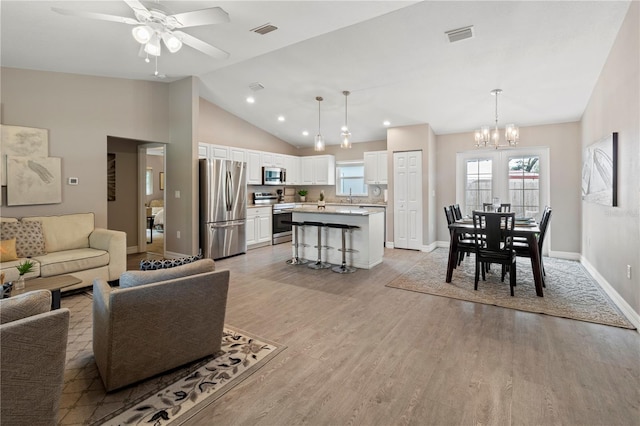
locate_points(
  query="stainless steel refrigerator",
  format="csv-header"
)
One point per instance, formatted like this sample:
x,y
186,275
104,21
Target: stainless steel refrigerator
x,y
223,208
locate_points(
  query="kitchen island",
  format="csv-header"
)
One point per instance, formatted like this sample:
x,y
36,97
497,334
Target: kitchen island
x,y
368,240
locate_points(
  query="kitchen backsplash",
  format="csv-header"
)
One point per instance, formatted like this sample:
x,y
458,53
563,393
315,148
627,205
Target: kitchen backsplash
x,y
314,194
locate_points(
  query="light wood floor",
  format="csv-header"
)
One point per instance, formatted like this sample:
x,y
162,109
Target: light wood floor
x,y
361,353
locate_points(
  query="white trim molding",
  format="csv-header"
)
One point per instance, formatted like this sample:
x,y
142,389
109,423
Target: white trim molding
x,y
429,248
626,309
568,255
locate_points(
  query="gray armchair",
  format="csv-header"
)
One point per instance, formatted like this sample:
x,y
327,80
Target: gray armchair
x,y
157,320
33,352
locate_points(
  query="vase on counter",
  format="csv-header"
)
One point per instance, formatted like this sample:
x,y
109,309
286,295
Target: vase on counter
x,y
321,204
303,198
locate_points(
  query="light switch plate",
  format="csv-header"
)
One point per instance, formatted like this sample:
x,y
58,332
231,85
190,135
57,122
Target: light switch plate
x,y
73,181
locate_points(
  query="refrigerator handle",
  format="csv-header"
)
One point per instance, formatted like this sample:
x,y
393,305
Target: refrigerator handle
x,y
229,191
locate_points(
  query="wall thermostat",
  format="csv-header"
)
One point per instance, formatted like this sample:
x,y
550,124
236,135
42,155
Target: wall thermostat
x,y
73,181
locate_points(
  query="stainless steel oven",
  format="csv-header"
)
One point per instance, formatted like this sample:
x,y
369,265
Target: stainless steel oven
x,y
282,231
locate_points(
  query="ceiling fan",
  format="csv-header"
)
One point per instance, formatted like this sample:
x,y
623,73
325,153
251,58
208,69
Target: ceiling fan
x,y
154,24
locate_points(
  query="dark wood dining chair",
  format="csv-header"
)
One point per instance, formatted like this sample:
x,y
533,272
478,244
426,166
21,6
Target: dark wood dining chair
x,y
456,211
466,246
487,207
522,247
505,207
493,242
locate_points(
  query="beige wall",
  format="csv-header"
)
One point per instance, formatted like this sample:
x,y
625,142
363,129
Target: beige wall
x,y
414,138
563,141
611,235
220,127
80,112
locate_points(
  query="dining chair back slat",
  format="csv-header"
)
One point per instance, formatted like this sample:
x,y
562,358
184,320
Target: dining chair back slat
x,y
493,238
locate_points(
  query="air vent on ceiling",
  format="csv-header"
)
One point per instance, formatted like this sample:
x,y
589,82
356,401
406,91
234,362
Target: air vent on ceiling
x,y
264,29
460,34
256,86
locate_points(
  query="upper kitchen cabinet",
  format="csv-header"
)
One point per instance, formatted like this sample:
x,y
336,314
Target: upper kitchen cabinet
x,y
318,170
375,167
269,159
203,150
292,167
221,152
254,167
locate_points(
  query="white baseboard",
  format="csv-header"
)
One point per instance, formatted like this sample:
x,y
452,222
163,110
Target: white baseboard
x,y
626,309
568,255
389,244
174,255
443,244
133,249
429,248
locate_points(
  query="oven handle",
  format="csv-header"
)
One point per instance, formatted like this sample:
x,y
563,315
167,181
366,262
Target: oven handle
x,y
281,212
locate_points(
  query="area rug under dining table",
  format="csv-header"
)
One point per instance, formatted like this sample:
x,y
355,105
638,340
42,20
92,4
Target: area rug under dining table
x,y
570,291
169,398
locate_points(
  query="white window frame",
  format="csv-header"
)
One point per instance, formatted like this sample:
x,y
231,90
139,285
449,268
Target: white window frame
x,y
339,164
500,172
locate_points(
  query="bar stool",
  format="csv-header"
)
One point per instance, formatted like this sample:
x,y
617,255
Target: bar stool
x,y
295,260
343,268
318,264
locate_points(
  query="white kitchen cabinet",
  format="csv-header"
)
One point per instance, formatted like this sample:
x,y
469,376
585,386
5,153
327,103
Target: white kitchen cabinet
x,y
203,150
237,154
292,167
218,152
318,170
375,167
269,159
254,167
258,226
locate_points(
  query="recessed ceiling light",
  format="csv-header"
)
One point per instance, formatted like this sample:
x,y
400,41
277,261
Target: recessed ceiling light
x,y
386,123
250,99
305,133
281,118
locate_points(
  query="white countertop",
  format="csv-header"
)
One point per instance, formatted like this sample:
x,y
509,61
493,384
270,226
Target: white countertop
x,y
335,209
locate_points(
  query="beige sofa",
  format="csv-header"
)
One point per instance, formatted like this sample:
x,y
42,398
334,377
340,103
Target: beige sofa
x,y
32,359
157,320
73,245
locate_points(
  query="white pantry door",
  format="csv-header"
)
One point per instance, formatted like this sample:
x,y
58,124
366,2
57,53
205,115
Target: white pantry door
x,y
407,200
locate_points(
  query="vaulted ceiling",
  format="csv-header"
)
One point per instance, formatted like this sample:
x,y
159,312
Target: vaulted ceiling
x,y
393,56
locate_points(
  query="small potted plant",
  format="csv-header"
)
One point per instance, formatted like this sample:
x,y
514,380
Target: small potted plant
x,y
321,203
303,195
23,268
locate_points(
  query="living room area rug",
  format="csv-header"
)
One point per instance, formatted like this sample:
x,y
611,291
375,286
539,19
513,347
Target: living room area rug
x,y
570,291
169,398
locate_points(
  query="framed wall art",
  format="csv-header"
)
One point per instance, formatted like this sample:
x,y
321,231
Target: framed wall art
x,y
600,172
34,180
19,141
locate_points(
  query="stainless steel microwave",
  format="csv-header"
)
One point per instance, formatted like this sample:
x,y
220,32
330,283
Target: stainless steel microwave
x,y
273,176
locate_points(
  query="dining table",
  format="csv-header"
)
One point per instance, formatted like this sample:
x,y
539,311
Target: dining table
x,y
529,230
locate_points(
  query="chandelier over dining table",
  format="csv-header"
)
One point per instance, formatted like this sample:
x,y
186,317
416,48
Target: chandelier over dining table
x,y
485,137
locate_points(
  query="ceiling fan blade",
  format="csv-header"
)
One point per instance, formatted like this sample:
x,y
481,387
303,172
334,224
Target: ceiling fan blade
x,y
139,9
201,45
93,15
214,15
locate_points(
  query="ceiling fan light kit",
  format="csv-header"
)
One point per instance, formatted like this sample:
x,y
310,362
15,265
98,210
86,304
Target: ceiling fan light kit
x,y
484,135
152,25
